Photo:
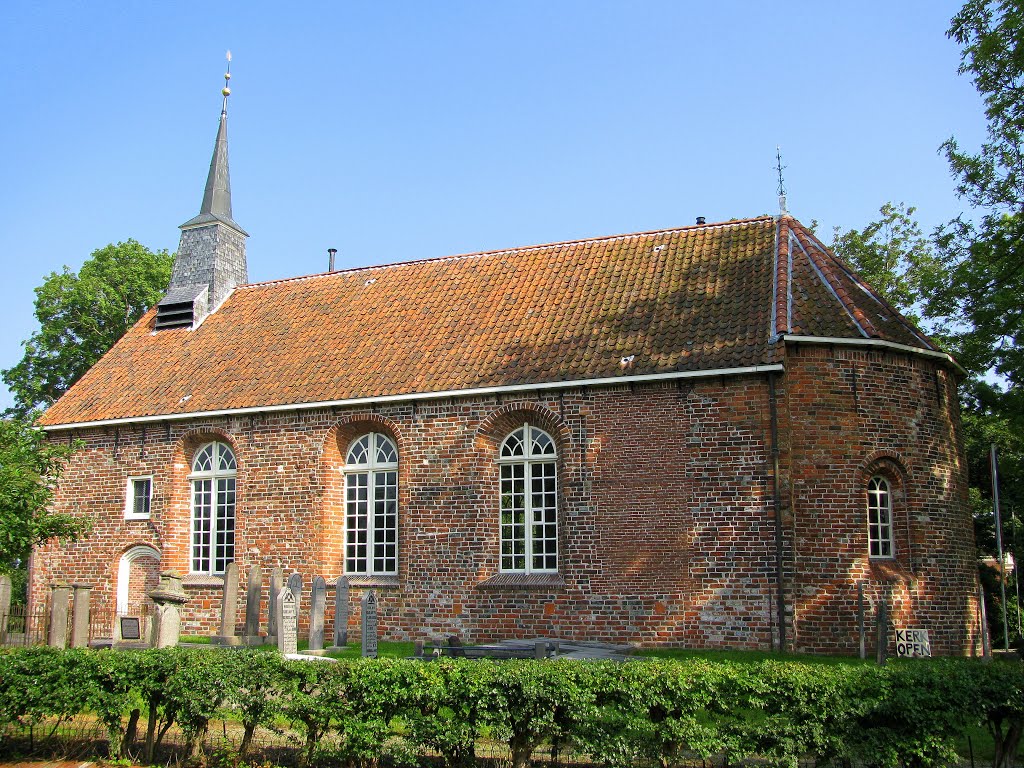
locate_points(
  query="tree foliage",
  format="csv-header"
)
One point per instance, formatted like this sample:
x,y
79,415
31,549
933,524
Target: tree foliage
x,y
29,468
985,259
893,256
81,315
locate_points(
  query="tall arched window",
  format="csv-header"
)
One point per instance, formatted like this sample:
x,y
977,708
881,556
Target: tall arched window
x,y
213,508
880,538
529,501
371,506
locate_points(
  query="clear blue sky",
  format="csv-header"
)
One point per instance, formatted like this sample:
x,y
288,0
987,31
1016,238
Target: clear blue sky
x,y
404,130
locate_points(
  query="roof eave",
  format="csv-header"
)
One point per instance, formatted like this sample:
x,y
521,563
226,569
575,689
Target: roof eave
x,y
414,396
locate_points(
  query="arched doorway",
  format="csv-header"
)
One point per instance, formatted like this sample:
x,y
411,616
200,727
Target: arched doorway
x,y
138,572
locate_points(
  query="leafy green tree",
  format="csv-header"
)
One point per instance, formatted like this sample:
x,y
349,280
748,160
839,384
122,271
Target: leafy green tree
x,y
991,33
81,315
29,468
985,259
893,256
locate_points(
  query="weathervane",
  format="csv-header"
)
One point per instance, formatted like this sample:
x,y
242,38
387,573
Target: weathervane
x,y
782,187
227,90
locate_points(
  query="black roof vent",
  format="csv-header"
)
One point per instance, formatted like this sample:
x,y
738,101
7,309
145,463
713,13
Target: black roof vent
x,y
700,220
181,307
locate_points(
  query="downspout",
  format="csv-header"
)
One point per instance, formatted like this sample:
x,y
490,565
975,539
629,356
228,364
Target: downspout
x,y
780,600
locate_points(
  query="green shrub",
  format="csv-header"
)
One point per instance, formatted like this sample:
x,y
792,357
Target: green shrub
x,y
365,712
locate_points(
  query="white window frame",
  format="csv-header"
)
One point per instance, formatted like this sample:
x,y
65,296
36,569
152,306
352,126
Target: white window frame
x,y
214,475
533,464
880,519
377,473
130,512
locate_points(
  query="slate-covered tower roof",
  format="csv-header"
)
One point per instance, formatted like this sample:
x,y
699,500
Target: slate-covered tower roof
x,y
697,300
210,261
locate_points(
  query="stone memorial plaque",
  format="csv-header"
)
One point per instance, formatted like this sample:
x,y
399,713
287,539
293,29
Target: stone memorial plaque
x,y
288,622
369,610
131,628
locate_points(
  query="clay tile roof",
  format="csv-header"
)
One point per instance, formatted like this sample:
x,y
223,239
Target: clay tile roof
x,y
707,297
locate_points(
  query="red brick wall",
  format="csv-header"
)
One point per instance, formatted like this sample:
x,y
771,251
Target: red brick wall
x,y
852,414
665,509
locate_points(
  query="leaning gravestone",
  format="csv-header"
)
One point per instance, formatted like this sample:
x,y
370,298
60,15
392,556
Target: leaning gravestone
x,y
369,610
340,613
228,607
288,622
253,604
276,582
317,604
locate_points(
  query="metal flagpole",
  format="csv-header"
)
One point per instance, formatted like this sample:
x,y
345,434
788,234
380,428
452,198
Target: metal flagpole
x,y
999,542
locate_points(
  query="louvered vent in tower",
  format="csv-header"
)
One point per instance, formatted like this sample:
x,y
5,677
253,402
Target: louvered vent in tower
x,y
181,307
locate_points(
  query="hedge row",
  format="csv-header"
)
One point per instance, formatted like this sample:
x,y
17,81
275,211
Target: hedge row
x,y
366,712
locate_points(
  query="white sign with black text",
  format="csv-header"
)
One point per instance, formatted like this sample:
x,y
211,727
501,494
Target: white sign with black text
x,y
912,642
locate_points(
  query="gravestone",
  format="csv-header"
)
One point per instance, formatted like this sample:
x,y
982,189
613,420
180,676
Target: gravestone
x,y
276,582
253,604
369,622
288,622
5,605
295,585
59,615
861,627
80,616
882,633
169,596
317,605
229,607
340,613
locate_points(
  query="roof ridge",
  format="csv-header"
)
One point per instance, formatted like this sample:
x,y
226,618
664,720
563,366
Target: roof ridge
x,y
498,251
826,273
872,292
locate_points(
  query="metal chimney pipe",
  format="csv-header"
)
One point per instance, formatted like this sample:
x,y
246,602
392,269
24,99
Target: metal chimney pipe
x,y
331,252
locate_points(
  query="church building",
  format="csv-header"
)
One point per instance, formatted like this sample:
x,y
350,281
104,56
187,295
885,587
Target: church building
x,y
710,436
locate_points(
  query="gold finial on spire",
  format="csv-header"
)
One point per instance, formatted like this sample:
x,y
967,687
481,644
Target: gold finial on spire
x,y
227,77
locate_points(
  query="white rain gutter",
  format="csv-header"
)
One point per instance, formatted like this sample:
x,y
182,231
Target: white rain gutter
x,y
878,343
752,369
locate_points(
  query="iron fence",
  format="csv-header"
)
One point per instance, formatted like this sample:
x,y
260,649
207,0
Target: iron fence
x,y
19,626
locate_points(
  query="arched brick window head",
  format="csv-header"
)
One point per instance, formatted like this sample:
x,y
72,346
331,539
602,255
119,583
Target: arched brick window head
x,y
213,508
880,529
529,501
371,506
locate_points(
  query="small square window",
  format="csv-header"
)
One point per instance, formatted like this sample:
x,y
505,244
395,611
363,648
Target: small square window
x,y
137,498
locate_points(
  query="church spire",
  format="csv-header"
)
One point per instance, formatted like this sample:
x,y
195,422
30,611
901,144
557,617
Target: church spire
x,y
211,254
217,195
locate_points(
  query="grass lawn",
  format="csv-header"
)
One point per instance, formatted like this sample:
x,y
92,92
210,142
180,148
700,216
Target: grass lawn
x,y
384,650
352,650
747,656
